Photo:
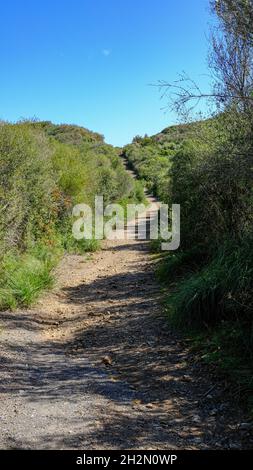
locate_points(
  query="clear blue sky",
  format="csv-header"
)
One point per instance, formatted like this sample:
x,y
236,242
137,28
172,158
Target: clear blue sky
x,y
90,62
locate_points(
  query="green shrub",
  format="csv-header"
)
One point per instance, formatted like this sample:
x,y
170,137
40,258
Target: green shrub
x,y
179,264
222,290
44,171
23,278
26,185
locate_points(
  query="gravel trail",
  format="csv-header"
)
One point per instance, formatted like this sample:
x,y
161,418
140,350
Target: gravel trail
x,y
94,365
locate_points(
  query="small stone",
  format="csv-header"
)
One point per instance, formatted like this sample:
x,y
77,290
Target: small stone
x,y
149,405
197,440
245,426
114,379
107,360
186,378
136,402
196,419
234,446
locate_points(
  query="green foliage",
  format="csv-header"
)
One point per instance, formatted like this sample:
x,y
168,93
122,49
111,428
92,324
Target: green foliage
x,y
67,133
228,350
137,194
177,264
45,170
212,301
214,189
222,290
151,157
149,163
208,171
23,277
26,185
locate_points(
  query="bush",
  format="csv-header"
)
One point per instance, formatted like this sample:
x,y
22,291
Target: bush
x,y
44,171
177,264
222,290
26,186
22,279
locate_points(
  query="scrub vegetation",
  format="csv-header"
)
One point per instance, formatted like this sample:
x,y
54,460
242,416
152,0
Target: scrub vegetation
x,y
206,166
46,169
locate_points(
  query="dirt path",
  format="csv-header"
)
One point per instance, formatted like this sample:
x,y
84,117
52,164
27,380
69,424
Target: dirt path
x,y
94,366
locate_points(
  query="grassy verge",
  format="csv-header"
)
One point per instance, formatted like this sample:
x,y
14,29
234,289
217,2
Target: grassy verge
x,y
23,277
211,302
223,350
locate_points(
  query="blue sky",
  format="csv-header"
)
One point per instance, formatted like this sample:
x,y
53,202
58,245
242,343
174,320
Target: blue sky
x,y
90,62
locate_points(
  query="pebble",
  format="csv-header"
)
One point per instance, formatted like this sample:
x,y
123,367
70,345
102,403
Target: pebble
x,y
196,419
107,360
196,440
245,426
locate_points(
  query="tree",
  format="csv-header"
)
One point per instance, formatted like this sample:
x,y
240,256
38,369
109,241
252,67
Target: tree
x,y
230,60
231,57
237,15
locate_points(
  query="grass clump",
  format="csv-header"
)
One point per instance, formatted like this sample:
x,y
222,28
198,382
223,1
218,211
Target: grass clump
x,y
221,290
213,306
23,277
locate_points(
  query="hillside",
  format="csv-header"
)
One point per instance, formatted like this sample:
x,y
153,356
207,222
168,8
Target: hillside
x,y
69,133
45,169
151,157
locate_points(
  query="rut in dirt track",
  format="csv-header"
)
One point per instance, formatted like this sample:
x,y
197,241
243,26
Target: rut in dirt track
x,y
95,366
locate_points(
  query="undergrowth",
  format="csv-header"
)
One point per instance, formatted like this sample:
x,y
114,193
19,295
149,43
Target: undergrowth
x,y
213,305
45,170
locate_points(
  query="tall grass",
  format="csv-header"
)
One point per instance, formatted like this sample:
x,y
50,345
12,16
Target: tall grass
x,y
222,290
213,305
23,277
